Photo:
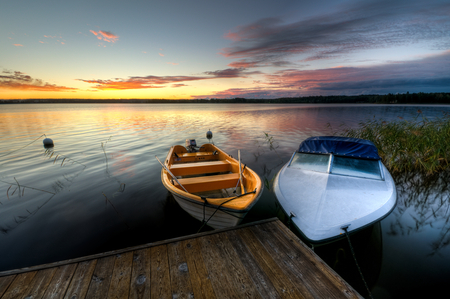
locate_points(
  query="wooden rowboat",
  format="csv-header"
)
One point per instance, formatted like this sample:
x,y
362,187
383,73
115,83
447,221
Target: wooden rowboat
x,y
211,185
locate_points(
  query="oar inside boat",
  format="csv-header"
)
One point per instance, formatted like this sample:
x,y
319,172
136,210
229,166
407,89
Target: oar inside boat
x,y
174,177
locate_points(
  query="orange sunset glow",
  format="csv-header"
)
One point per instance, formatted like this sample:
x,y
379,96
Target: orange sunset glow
x,y
190,51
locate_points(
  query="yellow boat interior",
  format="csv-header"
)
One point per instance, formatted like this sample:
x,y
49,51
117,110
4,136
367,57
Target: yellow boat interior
x,y
211,173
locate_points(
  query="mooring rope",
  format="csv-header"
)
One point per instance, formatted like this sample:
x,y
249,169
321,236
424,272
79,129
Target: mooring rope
x,y
356,262
206,202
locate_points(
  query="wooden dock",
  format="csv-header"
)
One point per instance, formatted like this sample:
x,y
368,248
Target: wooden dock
x,y
258,260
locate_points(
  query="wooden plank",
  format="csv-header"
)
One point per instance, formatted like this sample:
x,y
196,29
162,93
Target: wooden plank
x,y
40,283
200,168
285,287
101,278
295,265
216,271
19,285
239,277
262,282
60,281
201,284
5,282
121,277
80,281
118,251
159,267
298,264
262,259
179,272
209,183
140,276
317,262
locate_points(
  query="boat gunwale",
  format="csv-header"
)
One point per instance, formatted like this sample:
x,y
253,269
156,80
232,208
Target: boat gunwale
x,y
220,207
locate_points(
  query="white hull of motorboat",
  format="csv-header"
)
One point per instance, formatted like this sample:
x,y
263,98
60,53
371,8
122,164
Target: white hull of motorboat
x,y
320,204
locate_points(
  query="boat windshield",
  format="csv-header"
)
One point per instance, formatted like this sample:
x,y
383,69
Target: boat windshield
x,y
314,162
369,169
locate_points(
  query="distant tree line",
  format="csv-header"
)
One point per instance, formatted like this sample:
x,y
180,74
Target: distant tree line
x,y
405,98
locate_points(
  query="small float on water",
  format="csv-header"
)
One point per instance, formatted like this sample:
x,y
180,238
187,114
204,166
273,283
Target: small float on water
x,y
333,185
209,184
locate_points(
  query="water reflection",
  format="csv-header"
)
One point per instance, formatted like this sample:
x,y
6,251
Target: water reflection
x,y
26,194
84,194
423,202
269,166
368,247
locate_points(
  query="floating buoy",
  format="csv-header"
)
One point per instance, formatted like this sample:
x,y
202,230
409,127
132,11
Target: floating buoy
x,y
209,135
48,142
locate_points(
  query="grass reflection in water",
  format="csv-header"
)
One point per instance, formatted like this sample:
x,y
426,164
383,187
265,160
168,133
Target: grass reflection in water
x,y
417,153
425,199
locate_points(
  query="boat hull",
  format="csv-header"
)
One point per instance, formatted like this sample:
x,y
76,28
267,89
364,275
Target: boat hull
x,y
321,205
214,217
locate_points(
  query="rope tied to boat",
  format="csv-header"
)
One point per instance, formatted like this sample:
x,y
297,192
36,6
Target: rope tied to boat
x,y
356,262
205,202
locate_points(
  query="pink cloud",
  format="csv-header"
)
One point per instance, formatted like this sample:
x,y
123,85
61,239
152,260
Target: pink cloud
x,y
234,36
18,45
106,36
243,64
162,55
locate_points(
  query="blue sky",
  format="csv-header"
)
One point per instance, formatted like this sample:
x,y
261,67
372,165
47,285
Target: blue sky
x,y
211,49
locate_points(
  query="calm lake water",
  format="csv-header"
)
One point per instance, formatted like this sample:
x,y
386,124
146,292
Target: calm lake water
x,y
99,187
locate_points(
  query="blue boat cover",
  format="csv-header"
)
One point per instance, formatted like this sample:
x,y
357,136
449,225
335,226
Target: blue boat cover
x,y
340,146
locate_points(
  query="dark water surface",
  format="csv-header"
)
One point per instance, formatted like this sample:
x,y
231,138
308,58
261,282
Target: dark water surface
x,y
99,188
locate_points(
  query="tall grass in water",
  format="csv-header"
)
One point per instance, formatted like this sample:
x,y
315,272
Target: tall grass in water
x,y
420,144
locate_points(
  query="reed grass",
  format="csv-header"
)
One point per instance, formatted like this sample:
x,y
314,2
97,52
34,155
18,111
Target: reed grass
x,y
420,144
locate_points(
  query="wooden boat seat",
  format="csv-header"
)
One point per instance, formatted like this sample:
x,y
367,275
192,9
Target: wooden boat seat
x,y
195,168
209,183
197,156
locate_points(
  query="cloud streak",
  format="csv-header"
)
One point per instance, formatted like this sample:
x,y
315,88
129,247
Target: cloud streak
x,y
20,81
149,82
368,25
429,74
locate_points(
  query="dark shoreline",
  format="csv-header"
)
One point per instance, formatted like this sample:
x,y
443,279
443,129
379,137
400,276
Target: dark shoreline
x,y
406,98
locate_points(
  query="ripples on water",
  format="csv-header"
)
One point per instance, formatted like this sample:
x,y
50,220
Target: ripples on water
x,y
99,188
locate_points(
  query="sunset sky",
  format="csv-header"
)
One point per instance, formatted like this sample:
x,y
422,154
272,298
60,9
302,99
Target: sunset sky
x,y
176,49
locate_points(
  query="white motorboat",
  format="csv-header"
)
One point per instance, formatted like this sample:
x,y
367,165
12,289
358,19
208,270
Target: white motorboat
x,y
332,185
